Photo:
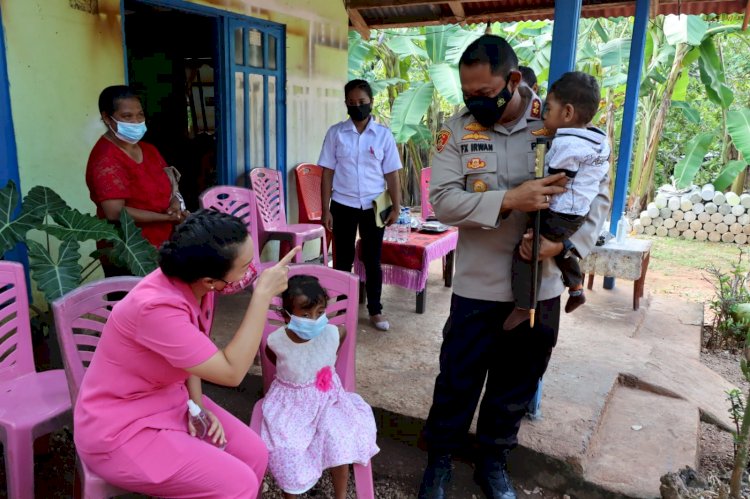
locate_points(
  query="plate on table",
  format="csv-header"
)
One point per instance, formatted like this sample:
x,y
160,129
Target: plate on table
x,y
434,226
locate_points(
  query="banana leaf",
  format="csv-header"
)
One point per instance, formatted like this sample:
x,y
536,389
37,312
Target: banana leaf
x,y
55,277
738,126
687,167
728,174
436,41
447,82
132,249
378,86
359,52
13,229
405,46
409,109
690,113
684,29
681,85
712,75
615,53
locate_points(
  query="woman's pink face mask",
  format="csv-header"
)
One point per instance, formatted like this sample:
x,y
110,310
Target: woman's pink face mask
x,y
236,286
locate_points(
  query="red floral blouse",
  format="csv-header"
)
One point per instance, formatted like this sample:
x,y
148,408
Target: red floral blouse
x,y
112,174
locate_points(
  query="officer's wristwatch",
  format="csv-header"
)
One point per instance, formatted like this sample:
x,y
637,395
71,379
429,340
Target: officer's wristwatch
x,y
569,249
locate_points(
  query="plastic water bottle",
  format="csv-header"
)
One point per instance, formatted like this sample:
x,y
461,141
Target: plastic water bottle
x,y
404,225
622,229
201,423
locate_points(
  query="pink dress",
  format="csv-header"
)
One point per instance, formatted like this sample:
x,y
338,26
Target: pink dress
x,y
310,423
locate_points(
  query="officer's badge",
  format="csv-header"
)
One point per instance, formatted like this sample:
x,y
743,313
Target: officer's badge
x,y
501,101
442,139
475,127
536,109
475,136
479,186
475,164
542,132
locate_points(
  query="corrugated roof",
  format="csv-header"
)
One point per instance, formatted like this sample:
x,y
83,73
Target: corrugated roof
x,y
393,13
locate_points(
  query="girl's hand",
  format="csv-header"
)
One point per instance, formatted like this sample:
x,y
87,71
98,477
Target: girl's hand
x,y
274,280
216,431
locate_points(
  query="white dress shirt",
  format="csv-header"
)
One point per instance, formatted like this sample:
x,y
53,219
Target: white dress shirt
x,y
359,161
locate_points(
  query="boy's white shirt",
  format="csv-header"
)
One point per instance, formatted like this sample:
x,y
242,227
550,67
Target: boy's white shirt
x,y
585,151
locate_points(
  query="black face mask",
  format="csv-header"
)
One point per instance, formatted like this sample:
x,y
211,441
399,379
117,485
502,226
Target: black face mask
x,y
487,110
359,113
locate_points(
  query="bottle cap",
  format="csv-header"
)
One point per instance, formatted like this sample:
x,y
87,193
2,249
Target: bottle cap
x,y
193,408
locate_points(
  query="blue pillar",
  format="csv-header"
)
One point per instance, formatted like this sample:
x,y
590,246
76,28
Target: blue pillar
x,y
564,38
627,133
8,156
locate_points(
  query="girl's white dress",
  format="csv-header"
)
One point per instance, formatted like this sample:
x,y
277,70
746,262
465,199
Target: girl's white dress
x,y
310,422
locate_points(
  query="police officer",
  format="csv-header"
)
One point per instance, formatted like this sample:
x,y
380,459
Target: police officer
x,y
483,183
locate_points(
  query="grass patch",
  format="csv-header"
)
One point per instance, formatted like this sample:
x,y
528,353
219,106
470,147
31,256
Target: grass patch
x,y
670,253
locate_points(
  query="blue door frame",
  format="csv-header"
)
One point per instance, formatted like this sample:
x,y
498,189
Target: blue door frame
x,y
8,153
226,124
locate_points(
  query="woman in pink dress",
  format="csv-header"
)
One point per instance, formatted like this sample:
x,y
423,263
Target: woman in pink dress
x,y
130,418
310,423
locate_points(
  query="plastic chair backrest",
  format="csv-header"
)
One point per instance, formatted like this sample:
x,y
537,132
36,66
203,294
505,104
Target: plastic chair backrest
x,y
269,198
237,201
424,190
16,354
342,310
79,320
309,178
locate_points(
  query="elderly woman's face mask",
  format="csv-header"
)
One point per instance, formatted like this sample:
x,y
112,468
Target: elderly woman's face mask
x,y
131,133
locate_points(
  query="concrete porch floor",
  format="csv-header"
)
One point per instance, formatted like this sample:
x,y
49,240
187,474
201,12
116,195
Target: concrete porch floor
x,y
623,394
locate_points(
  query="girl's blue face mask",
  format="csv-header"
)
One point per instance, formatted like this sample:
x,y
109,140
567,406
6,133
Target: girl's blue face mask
x,y
305,328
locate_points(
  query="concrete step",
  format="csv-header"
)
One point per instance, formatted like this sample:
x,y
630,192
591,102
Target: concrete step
x,y
641,437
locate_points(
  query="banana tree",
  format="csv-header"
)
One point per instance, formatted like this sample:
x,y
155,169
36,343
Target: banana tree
x,y
56,264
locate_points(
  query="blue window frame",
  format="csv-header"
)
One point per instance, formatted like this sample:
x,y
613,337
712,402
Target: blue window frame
x,y
257,102
251,118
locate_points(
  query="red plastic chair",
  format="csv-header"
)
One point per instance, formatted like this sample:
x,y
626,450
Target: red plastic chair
x,y
272,214
79,319
309,179
424,190
240,202
343,309
32,404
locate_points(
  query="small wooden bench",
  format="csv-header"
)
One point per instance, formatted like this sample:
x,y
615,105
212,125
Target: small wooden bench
x,y
627,260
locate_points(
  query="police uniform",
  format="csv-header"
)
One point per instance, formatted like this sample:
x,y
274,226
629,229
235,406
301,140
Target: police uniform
x,y
472,169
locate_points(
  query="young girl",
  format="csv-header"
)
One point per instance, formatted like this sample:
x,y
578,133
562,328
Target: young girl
x,y
310,422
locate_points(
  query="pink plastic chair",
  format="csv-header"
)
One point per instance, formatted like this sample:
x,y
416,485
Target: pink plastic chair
x,y
424,190
272,214
240,202
79,319
32,404
343,309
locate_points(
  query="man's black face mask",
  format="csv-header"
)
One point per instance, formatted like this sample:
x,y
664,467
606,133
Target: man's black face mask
x,y
488,110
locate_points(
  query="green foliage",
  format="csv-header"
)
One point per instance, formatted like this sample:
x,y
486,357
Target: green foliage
x,y
728,174
728,328
58,271
738,126
687,167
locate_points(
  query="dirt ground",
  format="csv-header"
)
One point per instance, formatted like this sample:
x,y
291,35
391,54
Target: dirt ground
x,y
54,467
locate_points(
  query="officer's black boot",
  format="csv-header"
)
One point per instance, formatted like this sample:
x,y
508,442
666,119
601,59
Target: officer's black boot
x,y
491,474
436,477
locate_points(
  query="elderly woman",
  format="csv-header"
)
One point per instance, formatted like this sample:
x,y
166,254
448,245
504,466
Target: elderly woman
x,y
131,425
125,173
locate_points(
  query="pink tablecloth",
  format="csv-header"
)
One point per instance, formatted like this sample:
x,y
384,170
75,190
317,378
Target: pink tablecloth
x,y
407,264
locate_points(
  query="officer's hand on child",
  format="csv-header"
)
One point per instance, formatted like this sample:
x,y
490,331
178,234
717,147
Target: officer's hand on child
x,y
547,249
535,194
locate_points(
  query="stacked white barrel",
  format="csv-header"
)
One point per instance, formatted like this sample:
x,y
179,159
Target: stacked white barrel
x,y
703,214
